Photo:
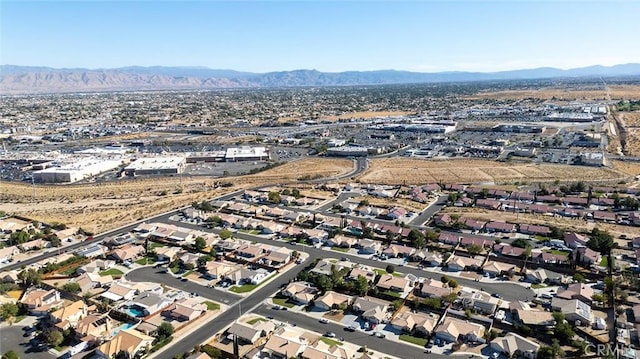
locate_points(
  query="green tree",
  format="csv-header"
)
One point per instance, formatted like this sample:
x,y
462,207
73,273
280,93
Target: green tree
x,y
8,310
601,241
213,352
225,234
520,243
546,352
452,283
10,355
296,193
165,330
53,337
361,286
474,249
578,277
390,269
72,287
200,243
274,197
563,330
30,277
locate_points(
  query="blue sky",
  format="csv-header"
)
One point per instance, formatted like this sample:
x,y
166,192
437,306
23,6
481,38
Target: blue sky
x,y
273,35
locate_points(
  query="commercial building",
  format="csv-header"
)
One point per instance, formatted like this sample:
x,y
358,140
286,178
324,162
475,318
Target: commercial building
x,y
211,156
156,166
348,151
75,172
246,153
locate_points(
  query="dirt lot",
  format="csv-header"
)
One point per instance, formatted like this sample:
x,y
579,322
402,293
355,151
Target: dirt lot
x,y
416,171
100,207
565,94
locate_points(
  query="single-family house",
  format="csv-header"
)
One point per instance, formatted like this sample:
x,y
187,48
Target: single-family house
x,y
148,303
574,240
453,329
169,253
283,347
495,269
341,241
512,343
332,300
448,238
473,224
94,328
479,301
186,309
277,258
443,219
415,322
458,263
216,270
502,227
578,291
361,271
317,235
128,340
368,246
575,311
541,275
586,256
371,309
7,253
68,316
249,251
534,229
433,288
392,283
118,291
398,251
325,267
488,204
34,245
300,292
127,253
40,301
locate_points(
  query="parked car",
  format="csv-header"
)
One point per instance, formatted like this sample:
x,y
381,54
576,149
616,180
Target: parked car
x,y
350,328
324,321
330,334
380,335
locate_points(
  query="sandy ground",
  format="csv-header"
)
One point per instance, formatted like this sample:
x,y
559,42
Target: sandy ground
x,y
392,202
100,207
563,93
417,171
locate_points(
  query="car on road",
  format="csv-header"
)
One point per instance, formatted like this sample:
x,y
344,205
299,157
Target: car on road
x,y
269,316
350,328
324,321
496,295
380,335
276,307
330,334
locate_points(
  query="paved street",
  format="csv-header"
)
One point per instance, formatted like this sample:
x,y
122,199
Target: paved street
x,y
430,211
398,349
150,274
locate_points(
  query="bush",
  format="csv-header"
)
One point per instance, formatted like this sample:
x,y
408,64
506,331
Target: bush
x,y
390,269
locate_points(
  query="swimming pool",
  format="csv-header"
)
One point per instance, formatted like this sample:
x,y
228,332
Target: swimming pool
x,y
135,312
122,327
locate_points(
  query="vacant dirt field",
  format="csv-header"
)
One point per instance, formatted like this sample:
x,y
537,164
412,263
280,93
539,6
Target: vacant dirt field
x,y
100,207
616,92
415,171
630,119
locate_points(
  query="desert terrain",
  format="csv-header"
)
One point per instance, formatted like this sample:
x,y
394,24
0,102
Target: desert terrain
x,y
105,206
417,171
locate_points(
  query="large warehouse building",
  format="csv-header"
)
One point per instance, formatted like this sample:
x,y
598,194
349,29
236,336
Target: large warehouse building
x,y
156,166
75,172
246,153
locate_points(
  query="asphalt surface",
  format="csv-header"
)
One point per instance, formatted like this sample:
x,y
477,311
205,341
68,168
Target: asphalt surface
x,y
155,275
232,313
11,338
359,337
430,211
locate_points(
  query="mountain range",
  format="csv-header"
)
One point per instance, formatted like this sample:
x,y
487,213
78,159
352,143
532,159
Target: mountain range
x,y
29,79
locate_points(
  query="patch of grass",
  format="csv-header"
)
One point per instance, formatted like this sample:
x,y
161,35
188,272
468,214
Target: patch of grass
x,y
249,287
382,271
174,269
146,260
283,302
187,273
211,305
111,271
558,252
330,342
256,320
538,286
70,271
250,231
604,262
19,318
413,340
154,245
340,249
243,288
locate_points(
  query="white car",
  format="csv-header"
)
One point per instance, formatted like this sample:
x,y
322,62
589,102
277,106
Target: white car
x,y
324,321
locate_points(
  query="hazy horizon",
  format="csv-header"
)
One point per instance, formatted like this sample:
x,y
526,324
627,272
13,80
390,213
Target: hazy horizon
x,y
336,36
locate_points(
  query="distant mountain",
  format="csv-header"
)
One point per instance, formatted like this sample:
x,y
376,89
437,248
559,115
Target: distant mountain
x,y
29,79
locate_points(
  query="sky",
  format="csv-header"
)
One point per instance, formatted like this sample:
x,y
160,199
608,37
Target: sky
x,y
332,36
